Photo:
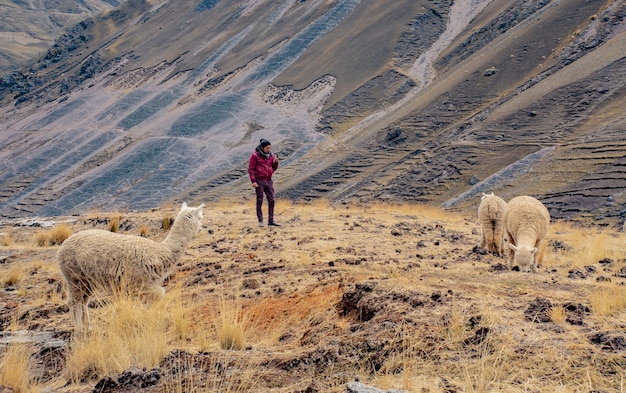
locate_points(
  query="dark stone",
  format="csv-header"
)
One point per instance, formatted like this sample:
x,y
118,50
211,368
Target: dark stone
x,y
133,377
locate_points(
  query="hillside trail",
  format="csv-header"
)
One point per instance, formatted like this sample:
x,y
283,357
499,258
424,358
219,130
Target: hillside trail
x,y
461,14
359,137
325,154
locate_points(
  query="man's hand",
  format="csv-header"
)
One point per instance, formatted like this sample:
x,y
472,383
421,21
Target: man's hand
x,y
255,185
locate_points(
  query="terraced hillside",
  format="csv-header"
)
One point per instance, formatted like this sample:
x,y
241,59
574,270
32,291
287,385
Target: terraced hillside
x,y
415,101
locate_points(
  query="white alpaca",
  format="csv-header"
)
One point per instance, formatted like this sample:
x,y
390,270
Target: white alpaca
x,y
98,260
526,221
490,213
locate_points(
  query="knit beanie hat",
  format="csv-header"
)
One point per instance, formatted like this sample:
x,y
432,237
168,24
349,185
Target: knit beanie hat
x,y
264,142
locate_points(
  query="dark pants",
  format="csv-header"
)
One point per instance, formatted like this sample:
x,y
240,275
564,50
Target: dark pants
x,y
265,187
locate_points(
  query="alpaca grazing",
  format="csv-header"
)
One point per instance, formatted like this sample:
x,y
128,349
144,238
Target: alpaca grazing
x,y
526,221
101,261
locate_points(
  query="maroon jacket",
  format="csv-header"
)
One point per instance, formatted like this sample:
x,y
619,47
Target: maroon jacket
x,y
261,168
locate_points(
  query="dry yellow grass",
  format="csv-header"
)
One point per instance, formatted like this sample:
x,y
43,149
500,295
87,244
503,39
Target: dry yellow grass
x,y
53,237
608,301
114,224
143,231
584,246
15,368
230,325
437,315
12,275
166,223
7,239
124,332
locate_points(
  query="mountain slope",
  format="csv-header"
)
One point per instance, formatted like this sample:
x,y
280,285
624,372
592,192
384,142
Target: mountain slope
x,y
414,100
28,28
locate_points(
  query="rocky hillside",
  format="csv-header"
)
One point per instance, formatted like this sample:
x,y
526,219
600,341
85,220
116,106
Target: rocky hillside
x,y
29,28
422,101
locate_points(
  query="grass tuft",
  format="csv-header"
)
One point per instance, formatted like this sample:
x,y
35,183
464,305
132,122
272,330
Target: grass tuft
x,y
126,331
7,239
15,368
12,275
53,237
166,223
114,224
230,327
608,301
557,314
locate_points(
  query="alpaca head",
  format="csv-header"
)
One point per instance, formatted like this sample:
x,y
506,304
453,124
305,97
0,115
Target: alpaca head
x,y
192,215
524,257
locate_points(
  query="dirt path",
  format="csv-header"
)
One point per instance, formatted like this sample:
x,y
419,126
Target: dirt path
x,y
461,14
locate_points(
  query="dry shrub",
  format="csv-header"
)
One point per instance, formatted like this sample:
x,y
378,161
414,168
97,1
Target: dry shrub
x,y
231,324
244,376
12,275
608,301
53,237
179,314
166,223
7,239
59,234
455,325
583,246
41,239
557,314
14,368
127,331
114,224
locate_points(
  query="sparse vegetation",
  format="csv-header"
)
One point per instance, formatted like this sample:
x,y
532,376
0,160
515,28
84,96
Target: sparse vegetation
x,y
607,301
395,294
124,332
230,325
166,223
12,275
114,224
557,314
7,239
15,368
53,237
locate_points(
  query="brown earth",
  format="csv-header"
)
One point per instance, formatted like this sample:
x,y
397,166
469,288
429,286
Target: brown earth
x,y
396,296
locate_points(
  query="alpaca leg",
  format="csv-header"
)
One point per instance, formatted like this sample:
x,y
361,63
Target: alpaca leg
x,y
498,239
538,257
483,241
491,245
154,292
77,303
511,251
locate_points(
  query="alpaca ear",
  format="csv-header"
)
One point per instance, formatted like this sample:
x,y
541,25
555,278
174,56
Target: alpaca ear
x,y
199,210
534,251
512,247
184,206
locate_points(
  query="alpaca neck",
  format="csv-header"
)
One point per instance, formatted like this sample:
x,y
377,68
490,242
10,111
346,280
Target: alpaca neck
x,y
178,238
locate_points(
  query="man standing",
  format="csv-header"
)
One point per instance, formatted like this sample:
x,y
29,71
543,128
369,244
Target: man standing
x,y
261,166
